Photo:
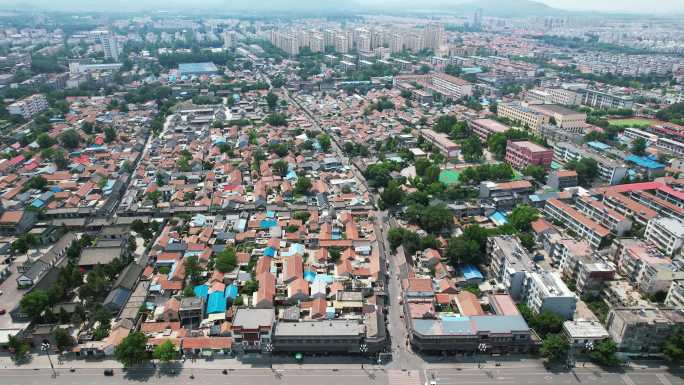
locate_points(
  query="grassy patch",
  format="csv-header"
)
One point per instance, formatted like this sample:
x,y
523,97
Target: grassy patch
x,y
623,123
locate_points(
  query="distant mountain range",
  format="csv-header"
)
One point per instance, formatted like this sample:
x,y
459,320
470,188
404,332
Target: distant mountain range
x,y
498,8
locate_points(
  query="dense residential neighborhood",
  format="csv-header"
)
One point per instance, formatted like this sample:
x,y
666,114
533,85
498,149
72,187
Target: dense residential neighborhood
x,y
383,190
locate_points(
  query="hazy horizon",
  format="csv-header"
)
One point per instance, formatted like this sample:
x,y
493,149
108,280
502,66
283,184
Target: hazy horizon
x,y
610,6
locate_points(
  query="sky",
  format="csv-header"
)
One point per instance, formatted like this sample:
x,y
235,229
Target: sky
x,y
614,6
646,6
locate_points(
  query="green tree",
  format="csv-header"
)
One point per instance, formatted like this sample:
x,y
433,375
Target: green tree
x,y
673,348
17,347
639,146
60,159
165,352
555,348
276,120
586,168
392,194
303,185
536,171
63,339
34,303
280,167
132,350
110,134
522,217
45,140
605,353
462,251
226,260
324,141
471,149
70,139
271,100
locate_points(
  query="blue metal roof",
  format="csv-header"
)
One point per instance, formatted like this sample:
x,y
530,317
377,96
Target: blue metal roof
x,y
644,162
309,275
216,303
270,252
598,145
268,223
471,272
231,292
201,290
499,218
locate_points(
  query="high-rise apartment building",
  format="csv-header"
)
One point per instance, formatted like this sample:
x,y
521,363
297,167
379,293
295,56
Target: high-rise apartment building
x,y
433,36
108,42
364,43
396,43
341,44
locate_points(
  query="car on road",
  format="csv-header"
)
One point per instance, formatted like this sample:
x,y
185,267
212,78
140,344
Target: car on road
x,y
3,311
108,372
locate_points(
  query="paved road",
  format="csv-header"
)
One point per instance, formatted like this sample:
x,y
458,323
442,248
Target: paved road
x,y
503,376
513,376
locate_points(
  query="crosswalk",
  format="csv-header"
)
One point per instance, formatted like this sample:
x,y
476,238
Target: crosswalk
x,y
627,380
400,377
663,380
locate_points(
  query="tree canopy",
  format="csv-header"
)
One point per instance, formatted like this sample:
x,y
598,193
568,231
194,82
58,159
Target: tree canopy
x,y
132,350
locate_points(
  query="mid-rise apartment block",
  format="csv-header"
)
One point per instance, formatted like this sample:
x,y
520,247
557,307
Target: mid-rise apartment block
x,y
574,220
545,290
523,115
29,106
642,330
448,148
513,268
520,154
666,233
577,262
564,118
675,296
606,100
607,217
484,128
646,267
609,170
561,179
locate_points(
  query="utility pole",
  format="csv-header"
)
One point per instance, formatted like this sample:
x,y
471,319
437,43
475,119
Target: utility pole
x,y
45,346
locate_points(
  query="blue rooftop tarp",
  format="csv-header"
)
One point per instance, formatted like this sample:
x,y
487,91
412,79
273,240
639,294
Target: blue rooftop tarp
x,y
327,278
201,290
296,248
55,189
309,275
644,162
268,223
216,303
231,292
37,203
499,218
471,272
291,175
598,145
270,252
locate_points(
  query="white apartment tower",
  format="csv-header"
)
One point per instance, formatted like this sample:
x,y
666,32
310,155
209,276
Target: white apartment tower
x,y
396,43
341,44
109,44
433,36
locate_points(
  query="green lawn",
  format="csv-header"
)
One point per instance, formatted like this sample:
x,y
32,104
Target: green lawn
x,y
448,177
631,122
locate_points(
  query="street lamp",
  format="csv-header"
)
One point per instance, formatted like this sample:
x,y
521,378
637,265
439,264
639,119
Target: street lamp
x,y
45,346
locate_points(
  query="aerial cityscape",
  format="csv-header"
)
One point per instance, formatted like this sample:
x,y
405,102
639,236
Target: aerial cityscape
x,y
367,192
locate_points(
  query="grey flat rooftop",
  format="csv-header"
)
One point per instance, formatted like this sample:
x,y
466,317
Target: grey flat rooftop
x,y
320,328
253,318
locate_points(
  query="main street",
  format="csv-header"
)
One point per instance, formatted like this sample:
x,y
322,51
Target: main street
x,y
304,376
